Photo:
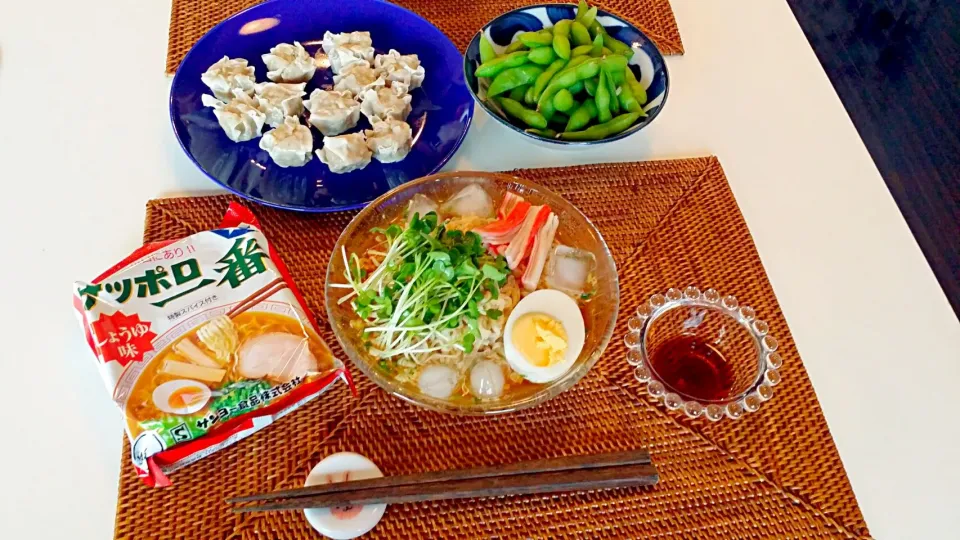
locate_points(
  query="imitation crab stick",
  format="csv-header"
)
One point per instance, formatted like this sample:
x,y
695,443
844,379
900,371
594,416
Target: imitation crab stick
x,y
503,230
523,240
538,256
510,200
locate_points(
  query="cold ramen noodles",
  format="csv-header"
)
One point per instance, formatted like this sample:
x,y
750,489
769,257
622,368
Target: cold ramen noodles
x,y
202,342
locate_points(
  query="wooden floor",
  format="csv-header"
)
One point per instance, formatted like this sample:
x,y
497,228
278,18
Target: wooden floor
x,y
896,66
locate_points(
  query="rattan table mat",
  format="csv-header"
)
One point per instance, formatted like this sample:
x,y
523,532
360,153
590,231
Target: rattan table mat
x,y
774,473
191,19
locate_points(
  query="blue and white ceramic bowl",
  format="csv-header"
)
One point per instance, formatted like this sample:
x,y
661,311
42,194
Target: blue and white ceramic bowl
x,y
442,108
647,62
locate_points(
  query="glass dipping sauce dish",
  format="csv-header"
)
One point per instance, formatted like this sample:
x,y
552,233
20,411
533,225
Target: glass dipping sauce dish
x,y
703,353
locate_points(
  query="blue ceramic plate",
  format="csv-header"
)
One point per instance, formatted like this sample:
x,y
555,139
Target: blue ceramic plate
x,y
442,107
647,61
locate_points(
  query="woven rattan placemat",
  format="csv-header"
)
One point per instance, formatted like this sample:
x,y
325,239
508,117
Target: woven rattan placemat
x,y
191,19
774,473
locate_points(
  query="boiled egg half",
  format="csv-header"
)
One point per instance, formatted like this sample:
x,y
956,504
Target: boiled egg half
x,y
544,335
181,396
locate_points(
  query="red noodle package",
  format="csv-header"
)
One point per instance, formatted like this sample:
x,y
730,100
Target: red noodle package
x,y
202,342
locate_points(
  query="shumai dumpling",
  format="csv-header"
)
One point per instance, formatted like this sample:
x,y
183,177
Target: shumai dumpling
x,y
332,112
345,153
348,48
389,140
241,118
279,100
388,102
290,144
357,78
395,67
227,75
289,63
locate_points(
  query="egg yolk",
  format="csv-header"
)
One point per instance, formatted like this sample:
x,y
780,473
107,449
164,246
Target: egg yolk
x,y
181,398
540,338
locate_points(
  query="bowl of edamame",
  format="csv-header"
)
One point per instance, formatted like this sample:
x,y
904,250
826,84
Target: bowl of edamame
x,y
567,74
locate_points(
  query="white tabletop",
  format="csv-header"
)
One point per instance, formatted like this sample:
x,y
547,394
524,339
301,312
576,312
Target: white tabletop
x,y
87,141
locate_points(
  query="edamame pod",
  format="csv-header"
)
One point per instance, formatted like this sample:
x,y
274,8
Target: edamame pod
x,y
500,63
545,77
511,78
580,34
639,92
542,56
602,131
536,39
628,101
517,93
603,99
486,49
612,88
586,112
590,85
547,132
589,17
563,100
561,39
582,8
528,98
527,116
576,88
617,46
596,28
514,47
582,50
597,48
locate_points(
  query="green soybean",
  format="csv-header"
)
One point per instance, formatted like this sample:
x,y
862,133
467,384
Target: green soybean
x,y
576,88
595,28
563,100
546,132
582,50
511,78
603,99
597,48
568,77
628,101
528,98
639,92
486,49
589,17
582,7
561,39
586,112
612,88
501,63
590,85
543,56
514,47
602,131
517,93
536,39
580,34
617,46
545,77
527,116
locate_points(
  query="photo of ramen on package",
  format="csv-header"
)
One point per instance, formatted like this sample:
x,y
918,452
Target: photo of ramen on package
x,y
202,342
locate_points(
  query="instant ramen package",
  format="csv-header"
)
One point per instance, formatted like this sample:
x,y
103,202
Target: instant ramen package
x,y
202,342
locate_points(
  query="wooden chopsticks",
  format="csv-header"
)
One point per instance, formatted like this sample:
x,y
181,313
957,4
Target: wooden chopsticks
x,y
569,473
258,296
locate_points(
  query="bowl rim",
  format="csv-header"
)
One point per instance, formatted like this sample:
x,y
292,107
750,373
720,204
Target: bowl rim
x,y
600,12
544,394
295,207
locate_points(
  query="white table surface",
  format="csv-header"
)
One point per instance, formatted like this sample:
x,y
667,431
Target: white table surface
x,y
87,141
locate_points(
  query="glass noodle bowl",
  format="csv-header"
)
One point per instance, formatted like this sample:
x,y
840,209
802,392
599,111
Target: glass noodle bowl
x,y
599,312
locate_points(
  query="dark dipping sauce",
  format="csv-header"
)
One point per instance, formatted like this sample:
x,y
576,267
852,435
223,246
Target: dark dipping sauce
x,y
693,367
